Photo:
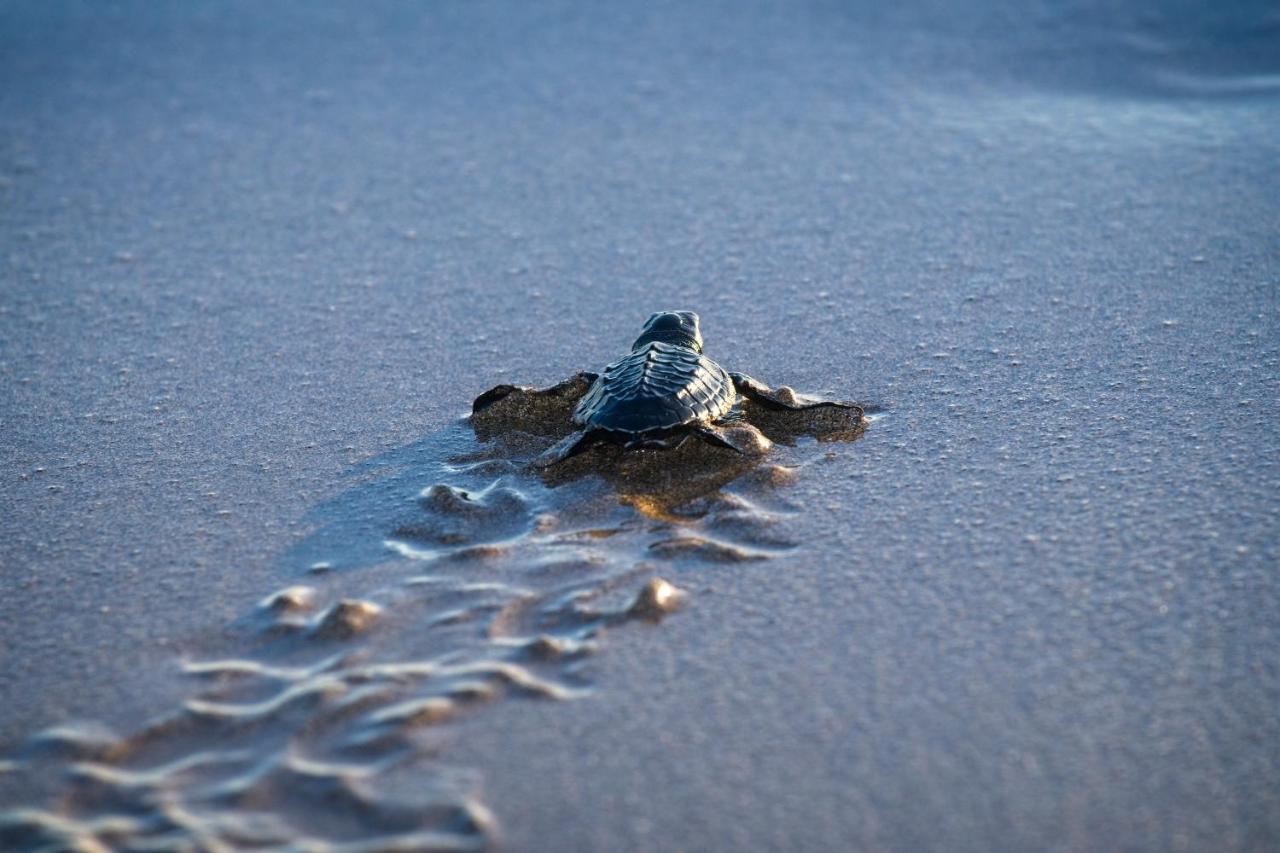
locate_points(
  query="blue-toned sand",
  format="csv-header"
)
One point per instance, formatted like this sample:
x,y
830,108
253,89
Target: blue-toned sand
x,y
260,584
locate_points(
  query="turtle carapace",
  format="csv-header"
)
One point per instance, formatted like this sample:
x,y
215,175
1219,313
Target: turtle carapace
x,y
664,391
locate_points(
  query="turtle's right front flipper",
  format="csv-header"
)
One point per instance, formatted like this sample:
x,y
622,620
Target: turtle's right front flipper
x,y
783,415
782,398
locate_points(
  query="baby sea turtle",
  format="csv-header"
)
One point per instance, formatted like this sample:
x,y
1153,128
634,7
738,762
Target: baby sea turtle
x,y
664,391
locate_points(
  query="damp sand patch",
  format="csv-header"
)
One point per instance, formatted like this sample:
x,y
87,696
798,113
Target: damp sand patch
x,y
487,580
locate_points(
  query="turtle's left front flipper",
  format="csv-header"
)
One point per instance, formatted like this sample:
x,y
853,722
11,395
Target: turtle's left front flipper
x,y
545,411
782,413
566,393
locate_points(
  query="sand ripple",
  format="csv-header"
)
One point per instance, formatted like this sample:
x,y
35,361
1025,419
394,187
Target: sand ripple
x,y
491,584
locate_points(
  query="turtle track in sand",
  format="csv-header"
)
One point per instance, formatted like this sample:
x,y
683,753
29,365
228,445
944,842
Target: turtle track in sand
x,y
448,577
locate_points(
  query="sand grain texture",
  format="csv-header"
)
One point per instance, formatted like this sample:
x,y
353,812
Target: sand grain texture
x,y
259,259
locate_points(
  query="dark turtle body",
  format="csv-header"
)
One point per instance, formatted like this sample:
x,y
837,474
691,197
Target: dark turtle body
x,y
664,383
661,393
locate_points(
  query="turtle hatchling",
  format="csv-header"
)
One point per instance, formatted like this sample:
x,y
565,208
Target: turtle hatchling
x,y
666,391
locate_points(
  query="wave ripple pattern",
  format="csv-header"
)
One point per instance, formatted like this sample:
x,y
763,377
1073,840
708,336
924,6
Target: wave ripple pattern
x,y
446,578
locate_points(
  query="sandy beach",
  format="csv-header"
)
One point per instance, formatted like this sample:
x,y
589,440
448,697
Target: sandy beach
x,y
264,583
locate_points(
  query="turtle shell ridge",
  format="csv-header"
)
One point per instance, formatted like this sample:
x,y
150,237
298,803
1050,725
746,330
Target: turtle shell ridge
x,y
656,387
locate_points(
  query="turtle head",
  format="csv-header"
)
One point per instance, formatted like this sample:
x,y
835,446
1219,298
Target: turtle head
x,y
671,327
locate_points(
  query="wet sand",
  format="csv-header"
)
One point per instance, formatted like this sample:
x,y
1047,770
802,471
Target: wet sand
x,y
259,265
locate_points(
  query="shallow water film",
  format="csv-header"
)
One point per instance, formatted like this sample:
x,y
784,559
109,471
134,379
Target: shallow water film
x,y
265,584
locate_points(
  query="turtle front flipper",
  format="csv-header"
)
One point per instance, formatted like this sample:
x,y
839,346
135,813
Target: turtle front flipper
x,y
515,408
784,415
571,445
569,391
782,398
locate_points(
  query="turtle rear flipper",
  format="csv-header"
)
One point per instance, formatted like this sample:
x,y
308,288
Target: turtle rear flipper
x,y
741,437
571,445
